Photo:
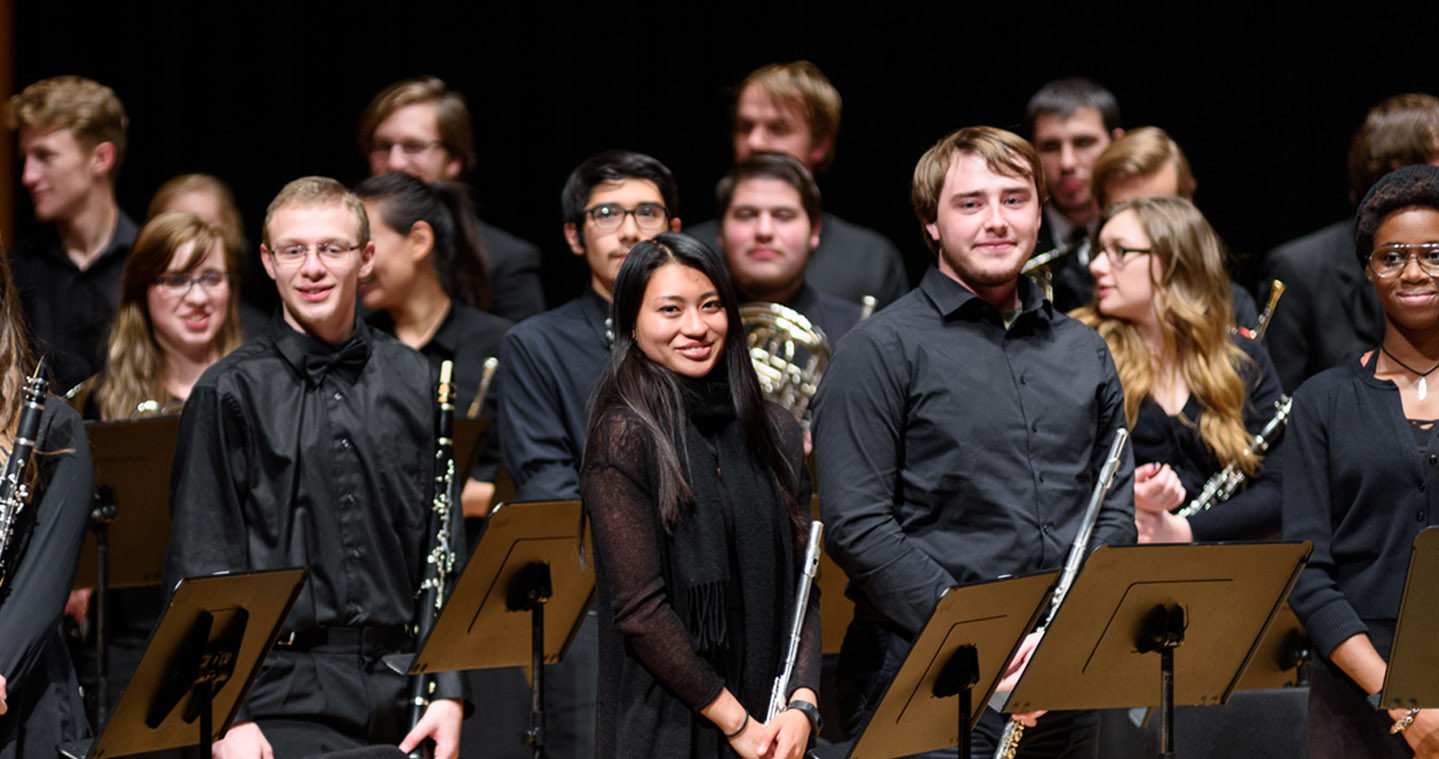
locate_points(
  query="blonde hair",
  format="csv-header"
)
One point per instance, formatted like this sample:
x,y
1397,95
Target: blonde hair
x,y
1194,307
318,192
804,85
134,361
231,225
90,110
1004,152
1140,153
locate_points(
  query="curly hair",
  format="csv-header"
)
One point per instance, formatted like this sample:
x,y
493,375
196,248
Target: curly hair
x,y
1402,188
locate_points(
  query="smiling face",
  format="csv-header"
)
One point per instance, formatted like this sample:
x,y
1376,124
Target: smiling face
x,y
186,322
985,223
681,324
1410,300
60,173
318,291
1124,290
766,237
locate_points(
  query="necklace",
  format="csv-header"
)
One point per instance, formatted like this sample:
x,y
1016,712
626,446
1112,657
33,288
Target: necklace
x,y
1423,386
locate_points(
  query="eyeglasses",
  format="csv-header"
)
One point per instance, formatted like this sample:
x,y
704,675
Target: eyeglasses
x,y
1118,257
408,147
610,216
177,283
293,255
1391,260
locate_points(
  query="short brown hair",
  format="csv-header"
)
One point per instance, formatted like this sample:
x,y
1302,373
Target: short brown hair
x,y
1005,152
1139,153
450,112
781,166
1401,131
803,84
90,110
317,192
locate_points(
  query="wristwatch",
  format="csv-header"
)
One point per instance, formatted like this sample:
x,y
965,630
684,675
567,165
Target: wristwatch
x,y
810,712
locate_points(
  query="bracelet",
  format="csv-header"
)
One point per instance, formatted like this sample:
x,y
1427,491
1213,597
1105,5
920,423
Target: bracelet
x,y
1400,725
745,724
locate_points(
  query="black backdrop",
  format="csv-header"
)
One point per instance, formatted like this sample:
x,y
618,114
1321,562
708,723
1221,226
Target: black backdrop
x,y
1263,97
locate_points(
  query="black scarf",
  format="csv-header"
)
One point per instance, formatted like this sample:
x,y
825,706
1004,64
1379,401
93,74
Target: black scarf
x,y
731,549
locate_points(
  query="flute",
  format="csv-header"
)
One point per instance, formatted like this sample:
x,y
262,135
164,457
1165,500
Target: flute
x,y
801,600
1014,730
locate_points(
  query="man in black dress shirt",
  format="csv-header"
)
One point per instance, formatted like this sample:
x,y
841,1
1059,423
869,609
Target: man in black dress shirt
x,y
1071,121
548,366
422,127
958,432
313,445
770,221
72,140
793,108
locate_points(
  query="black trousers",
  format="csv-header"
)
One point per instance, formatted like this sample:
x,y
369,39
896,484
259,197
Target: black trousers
x,y
870,658
315,702
1342,724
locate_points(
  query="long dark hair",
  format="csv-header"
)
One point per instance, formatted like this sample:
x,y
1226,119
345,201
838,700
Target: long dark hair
x,y
458,258
652,393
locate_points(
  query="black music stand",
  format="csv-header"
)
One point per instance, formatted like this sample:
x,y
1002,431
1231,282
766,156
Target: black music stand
x,y
199,664
132,480
1209,603
961,652
467,438
1409,681
527,561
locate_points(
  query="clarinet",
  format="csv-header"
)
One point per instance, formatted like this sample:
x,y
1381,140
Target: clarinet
x,y
801,602
440,560
1014,730
14,493
1225,482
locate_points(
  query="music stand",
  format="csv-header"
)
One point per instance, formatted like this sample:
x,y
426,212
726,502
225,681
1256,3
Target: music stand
x,y
527,561
1409,681
132,480
1210,603
199,664
467,438
961,652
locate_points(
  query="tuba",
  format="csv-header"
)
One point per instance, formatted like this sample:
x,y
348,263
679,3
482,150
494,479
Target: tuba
x,y
789,355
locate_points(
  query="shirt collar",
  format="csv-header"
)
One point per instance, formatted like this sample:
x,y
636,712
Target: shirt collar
x,y
295,346
954,300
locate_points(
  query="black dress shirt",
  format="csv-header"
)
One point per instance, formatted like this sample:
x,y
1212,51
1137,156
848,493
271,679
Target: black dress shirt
x,y
1250,514
69,311
951,450
548,368
1360,489
514,274
285,462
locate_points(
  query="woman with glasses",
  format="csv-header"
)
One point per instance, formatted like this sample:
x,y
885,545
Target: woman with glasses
x,y
699,500
39,698
176,318
1195,392
1364,479
428,287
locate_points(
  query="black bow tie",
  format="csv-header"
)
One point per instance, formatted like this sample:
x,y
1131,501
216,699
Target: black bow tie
x,y
349,361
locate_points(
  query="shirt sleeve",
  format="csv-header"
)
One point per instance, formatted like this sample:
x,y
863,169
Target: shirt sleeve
x,y
860,415
626,534
1116,513
39,583
538,453
207,526
1327,615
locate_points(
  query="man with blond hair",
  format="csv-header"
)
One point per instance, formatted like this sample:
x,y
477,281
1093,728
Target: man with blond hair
x,y
422,127
313,445
71,134
792,108
957,432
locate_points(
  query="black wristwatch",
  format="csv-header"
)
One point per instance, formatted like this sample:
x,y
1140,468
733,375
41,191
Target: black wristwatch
x,y
810,712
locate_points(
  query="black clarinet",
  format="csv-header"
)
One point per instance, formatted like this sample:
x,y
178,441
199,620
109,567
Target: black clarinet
x,y
14,493
440,559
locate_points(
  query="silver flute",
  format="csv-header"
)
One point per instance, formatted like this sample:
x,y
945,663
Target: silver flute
x,y
801,602
1014,730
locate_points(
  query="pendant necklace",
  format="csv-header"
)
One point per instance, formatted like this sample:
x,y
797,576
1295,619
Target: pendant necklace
x,y
1423,386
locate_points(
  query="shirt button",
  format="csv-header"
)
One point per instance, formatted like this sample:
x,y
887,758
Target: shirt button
x,y
1041,478
337,395
1034,427
1023,380
1419,517
1433,459
1046,527
345,443
1421,487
